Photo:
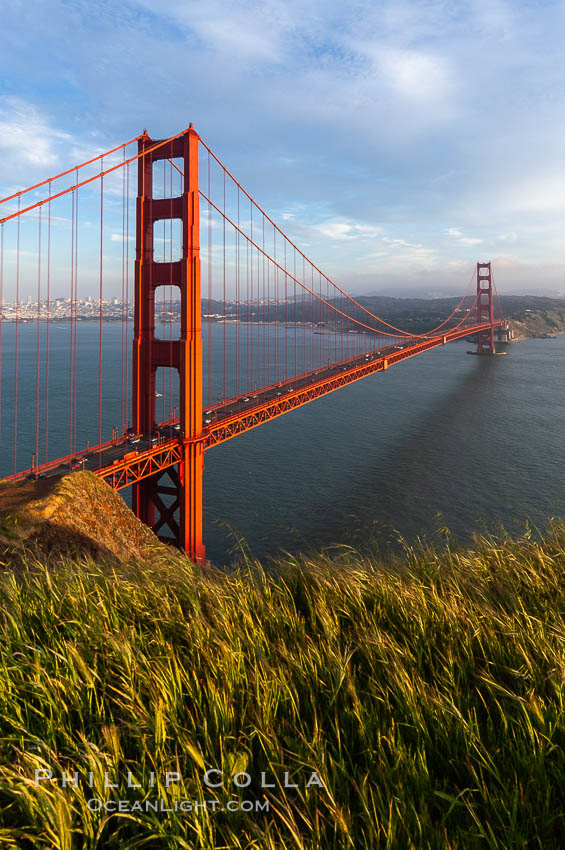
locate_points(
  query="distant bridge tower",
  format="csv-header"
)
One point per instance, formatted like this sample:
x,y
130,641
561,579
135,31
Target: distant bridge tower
x,y
170,501
485,309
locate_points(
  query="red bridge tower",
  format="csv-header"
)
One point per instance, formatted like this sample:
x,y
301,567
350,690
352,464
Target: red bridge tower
x,y
181,485
485,309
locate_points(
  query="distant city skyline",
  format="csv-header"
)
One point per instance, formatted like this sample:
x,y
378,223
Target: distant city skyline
x,y
396,142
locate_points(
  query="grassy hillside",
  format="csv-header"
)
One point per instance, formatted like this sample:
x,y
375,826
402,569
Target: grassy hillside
x,y
535,316
530,315
427,696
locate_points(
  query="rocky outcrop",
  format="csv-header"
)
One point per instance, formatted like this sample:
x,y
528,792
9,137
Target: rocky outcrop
x,y
72,514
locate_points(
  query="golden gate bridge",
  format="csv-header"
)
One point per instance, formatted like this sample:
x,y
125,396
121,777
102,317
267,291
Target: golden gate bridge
x,y
278,332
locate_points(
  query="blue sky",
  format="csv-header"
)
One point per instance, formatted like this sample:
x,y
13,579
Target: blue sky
x,y
397,142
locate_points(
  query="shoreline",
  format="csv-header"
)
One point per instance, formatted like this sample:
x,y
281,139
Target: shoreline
x,y
535,336
229,321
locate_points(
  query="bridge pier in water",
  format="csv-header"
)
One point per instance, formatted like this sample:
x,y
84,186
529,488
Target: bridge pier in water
x,y
170,501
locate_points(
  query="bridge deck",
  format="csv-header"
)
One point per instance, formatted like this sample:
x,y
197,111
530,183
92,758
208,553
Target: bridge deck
x,y
127,460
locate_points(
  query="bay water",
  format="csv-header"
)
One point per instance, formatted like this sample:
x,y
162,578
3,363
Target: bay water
x,y
443,440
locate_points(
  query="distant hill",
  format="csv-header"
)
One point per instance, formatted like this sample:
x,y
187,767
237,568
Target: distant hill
x,y
531,315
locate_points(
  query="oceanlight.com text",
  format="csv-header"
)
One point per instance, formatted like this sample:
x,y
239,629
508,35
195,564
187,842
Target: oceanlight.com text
x,y
95,804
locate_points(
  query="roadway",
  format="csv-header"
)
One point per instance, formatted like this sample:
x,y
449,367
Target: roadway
x,y
132,446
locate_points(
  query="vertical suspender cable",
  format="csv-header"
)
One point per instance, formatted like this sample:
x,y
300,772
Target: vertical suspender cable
x,y
17,339
100,287
48,328
285,315
38,339
248,249
238,330
294,303
286,370
224,280
319,320
266,315
210,323
260,289
276,282
123,294
171,405
312,314
256,345
251,355
268,267
127,300
327,323
303,367
71,328
262,375
73,318
1,313
335,339
164,306
75,370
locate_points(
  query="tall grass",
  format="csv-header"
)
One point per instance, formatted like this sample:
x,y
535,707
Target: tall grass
x,y
427,696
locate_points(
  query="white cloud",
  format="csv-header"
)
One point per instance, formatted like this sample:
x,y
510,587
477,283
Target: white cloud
x,y
401,243
343,229
537,193
245,32
26,137
458,236
377,255
244,39
401,255
414,75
